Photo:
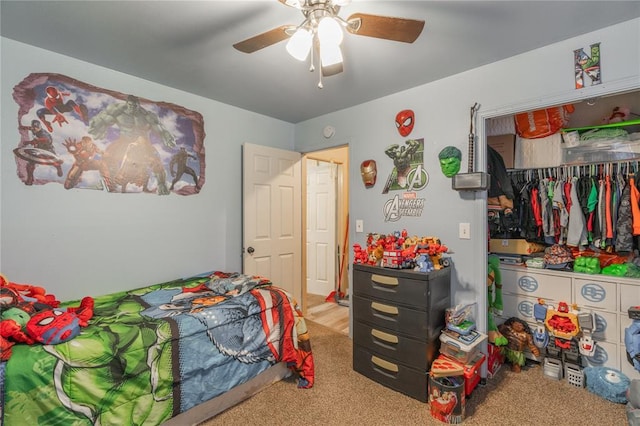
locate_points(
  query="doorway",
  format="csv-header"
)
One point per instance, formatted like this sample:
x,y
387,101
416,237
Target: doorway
x,y
325,249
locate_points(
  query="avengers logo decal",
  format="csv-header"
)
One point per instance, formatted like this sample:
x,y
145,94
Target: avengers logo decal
x,y
397,207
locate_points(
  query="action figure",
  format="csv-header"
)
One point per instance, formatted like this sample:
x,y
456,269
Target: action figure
x,y
136,125
180,160
519,336
494,279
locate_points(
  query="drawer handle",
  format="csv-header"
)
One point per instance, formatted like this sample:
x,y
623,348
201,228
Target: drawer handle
x,y
389,338
384,364
384,308
381,279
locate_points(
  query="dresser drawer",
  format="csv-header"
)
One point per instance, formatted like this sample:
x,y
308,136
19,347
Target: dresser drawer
x,y
607,327
626,367
596,294
536,285
404,287
629,296
392,374
519,306
606,355
414,353
381,313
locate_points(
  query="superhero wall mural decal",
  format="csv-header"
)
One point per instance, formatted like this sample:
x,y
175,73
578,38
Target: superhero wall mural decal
x,y
408,174
82,136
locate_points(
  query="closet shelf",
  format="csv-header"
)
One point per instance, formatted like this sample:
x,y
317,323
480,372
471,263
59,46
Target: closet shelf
x,y
604,126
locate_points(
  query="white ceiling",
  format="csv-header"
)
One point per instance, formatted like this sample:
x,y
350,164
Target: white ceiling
x,y
188,44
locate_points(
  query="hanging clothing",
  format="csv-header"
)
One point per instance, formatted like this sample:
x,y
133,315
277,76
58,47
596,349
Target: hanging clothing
x,y
546,212
624,227
635,207
563,214
576,230
592,206
599,238
601,211
608,218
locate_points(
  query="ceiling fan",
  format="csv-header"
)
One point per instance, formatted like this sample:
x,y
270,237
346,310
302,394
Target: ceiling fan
x,y
322,32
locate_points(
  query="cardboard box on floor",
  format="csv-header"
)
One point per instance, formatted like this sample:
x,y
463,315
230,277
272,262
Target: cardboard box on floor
x,y
505,145
514,246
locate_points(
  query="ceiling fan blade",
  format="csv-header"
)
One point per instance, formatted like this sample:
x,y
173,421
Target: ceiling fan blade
x,y
263,40
385,27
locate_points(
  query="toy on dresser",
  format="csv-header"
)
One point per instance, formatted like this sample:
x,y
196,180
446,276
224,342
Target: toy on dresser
x,y
398,250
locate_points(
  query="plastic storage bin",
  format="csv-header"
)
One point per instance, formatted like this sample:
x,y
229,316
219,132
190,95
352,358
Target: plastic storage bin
x,y
615,150
462,348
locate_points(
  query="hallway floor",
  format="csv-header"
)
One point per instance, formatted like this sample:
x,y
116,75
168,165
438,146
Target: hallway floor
x,y
329,314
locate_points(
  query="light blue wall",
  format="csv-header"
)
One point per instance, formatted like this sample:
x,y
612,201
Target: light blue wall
x,y
83,242
535,79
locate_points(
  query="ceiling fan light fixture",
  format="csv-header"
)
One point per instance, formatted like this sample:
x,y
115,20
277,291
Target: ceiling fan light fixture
x,y
330,31
293,3
299,44
330,54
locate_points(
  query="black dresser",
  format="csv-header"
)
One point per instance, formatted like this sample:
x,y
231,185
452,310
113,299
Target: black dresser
x,y
397,318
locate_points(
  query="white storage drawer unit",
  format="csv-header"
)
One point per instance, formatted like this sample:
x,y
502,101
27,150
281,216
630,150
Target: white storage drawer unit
x,y
608,297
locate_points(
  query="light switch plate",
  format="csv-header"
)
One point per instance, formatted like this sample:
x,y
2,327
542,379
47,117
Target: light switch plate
x,y
359,225
464,231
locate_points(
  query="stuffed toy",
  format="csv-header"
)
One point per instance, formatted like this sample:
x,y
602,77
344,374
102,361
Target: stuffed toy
x,y
28,293
494,297
618,115
30,322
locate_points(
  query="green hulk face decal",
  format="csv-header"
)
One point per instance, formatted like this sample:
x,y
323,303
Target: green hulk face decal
x,y
450,158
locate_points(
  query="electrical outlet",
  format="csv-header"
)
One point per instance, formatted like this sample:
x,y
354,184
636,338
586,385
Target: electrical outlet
x,y
464,231
359,225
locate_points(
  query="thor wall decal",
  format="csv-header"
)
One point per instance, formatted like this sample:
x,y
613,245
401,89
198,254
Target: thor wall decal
x,y
589,65
83,136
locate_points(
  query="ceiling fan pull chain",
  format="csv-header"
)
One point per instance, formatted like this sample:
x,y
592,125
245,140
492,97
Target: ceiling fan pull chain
x,y
320,85
311,67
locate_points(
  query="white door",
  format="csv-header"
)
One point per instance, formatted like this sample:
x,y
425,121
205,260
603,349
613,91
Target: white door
x,y
272,216
321,227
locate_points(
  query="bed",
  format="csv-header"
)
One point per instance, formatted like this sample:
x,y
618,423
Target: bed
x,y
171,353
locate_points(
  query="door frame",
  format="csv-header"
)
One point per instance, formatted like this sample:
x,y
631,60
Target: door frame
x,y
338,155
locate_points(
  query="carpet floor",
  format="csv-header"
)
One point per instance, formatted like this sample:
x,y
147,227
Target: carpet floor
x,y
342,396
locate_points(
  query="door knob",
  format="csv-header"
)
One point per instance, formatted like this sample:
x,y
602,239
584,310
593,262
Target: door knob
x,y
250,250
